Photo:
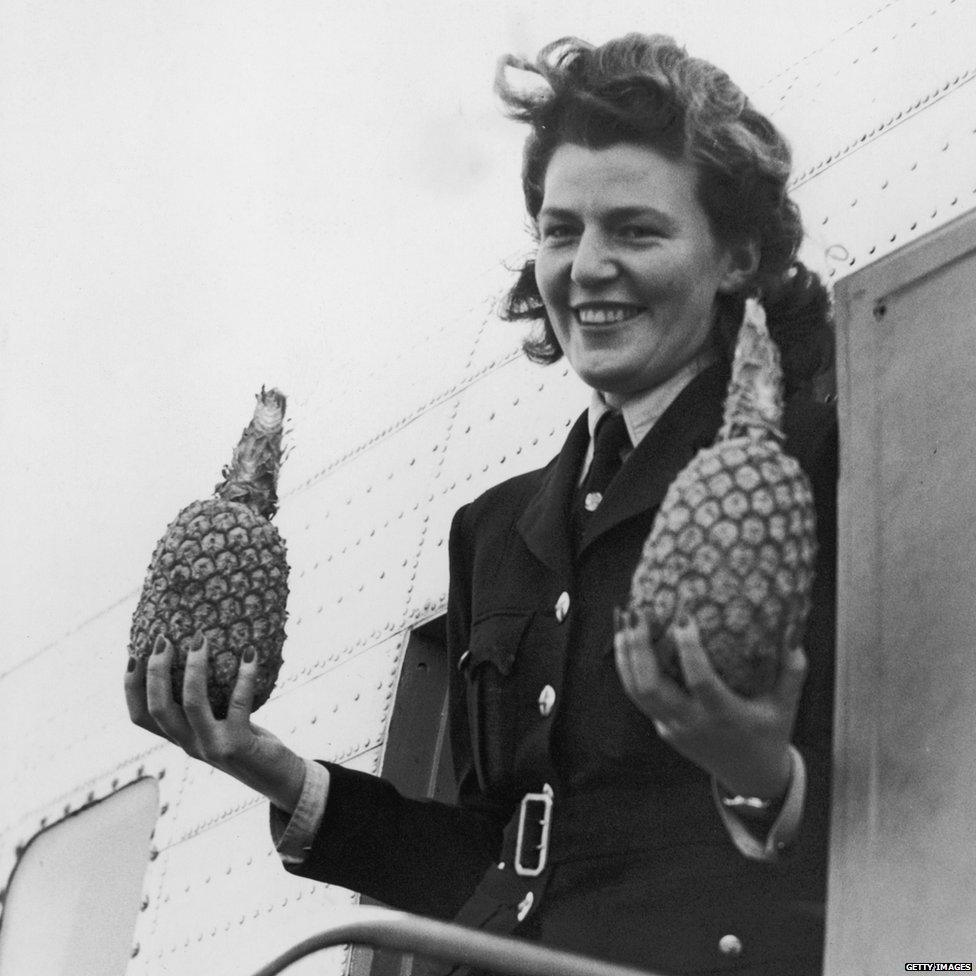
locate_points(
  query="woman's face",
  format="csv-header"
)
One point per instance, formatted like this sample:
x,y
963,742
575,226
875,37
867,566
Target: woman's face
x,y
627,265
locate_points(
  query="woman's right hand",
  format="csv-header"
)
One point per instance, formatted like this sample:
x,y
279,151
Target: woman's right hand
x,y
234,744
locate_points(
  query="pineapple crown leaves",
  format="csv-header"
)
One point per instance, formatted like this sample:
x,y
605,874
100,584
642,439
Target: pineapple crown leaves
x,y
754,403
252,475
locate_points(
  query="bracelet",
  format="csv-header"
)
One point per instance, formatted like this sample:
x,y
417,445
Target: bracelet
x,y
750,804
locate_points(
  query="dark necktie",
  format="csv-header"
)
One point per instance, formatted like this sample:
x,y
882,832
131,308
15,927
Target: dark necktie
x,y
610,439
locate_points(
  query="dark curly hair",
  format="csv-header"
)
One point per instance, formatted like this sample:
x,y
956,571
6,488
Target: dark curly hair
x,y
647,90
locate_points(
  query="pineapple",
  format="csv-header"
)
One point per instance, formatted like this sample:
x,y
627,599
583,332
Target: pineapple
x,y
734,543
220,569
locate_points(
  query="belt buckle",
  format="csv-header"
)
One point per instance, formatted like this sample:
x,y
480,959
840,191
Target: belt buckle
x,y
545,822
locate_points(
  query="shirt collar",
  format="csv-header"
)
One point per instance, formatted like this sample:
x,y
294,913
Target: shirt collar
x,y
643,410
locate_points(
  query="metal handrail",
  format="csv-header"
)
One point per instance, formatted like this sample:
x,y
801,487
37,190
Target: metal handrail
x,y
381,927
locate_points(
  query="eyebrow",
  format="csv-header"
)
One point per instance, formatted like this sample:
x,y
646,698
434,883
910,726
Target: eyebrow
x,y
614,213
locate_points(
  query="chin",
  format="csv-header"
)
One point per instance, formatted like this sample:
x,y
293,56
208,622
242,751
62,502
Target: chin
x,y
607,378
603,380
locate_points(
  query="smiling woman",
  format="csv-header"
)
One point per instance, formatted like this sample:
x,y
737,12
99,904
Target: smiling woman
x,y
715,157
603,808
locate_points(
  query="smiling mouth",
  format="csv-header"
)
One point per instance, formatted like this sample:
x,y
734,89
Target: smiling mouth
x,y
606,313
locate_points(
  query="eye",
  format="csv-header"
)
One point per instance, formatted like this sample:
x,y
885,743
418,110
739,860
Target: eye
x,y
639,232
556,232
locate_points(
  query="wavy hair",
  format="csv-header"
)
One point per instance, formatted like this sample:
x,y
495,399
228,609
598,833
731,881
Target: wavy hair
x,y
646,90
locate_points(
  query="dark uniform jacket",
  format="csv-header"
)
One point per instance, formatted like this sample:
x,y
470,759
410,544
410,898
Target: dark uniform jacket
x,y
640,867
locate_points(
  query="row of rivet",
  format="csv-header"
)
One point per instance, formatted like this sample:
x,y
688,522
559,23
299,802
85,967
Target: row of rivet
x,y
352,752
856,60
812,54
313,889
434,402
883,127
425,522
325,664
838,253
92,796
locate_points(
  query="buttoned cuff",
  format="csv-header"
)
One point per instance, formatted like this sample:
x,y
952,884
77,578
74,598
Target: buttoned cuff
x,y
783,830
293,835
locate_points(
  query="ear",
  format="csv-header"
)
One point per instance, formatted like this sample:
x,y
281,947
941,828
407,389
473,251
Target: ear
x,y
741,262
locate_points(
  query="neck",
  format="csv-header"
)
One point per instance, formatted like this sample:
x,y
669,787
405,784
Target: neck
x,y
676,381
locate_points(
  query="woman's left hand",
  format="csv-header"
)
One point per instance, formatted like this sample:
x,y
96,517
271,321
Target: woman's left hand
x,y
743,742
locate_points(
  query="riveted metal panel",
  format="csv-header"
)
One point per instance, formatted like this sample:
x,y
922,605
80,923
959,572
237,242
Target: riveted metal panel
x,y
874,74
882,122
497,343
342,711
353,537
895,188
390,381
362,545
494,341
220,894
73,748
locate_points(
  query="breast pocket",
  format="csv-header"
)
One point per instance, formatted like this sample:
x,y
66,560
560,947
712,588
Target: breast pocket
x,y
489,667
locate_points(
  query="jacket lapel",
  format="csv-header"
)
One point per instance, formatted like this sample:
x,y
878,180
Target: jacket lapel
x,y
689,424
544,524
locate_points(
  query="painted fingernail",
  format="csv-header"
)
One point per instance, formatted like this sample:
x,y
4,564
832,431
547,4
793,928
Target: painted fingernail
x,y
248,656
131,666
196,642
160,644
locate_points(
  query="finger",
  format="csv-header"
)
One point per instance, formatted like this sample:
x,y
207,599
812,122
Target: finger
x,y
135,695
135,688
633,647
196,701
701,678
622,639
651,689
159,691
641,658
242,697
793,673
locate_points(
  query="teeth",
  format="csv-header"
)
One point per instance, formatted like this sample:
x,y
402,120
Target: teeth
x,y
604,316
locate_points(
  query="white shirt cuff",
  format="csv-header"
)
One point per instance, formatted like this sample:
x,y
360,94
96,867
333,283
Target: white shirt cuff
x,y
784,828
293,835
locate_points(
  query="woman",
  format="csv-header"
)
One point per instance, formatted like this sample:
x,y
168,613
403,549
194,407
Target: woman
x,y
688,825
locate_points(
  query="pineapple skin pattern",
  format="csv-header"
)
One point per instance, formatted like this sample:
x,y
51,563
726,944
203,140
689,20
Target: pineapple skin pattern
x,y
220,568
733,546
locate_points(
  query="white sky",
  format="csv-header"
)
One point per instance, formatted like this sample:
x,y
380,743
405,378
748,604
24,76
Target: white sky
x,y
196,198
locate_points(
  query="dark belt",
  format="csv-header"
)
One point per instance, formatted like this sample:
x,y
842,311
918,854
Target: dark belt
x,y
548,829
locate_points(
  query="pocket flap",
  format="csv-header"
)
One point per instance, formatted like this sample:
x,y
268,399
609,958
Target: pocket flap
x,y
496,639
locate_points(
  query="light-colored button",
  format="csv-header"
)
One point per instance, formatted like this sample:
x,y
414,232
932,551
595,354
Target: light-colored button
x,y
562,607
592,501
525,906
547,698
730,945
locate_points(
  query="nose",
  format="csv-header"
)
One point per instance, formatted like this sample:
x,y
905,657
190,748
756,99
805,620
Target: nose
x,y
593,261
